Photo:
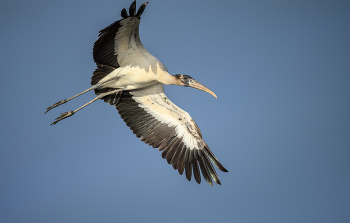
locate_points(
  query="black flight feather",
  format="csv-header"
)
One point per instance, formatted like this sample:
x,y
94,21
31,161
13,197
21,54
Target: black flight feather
x,y
124,13
196,173
141,9
132,9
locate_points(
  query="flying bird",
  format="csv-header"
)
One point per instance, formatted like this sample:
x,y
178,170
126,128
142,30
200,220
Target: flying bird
x,y
130,78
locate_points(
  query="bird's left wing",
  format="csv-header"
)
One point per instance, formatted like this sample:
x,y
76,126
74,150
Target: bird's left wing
x,y
119,45
161,124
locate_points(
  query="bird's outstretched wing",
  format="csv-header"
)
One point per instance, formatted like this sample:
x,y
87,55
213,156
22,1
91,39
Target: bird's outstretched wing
x,y
119,45
161,124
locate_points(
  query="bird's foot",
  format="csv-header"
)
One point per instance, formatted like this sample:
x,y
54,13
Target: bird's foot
x,y
56,104
63,116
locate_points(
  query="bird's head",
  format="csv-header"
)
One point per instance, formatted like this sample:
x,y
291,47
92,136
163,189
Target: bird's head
x,y
187,81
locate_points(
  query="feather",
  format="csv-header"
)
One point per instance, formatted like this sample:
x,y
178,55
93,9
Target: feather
x,y
141,9
181,164
124,13
213,159
175,160
174,145
132,9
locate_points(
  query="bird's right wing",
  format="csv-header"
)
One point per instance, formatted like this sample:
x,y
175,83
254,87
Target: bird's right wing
x,y
161,124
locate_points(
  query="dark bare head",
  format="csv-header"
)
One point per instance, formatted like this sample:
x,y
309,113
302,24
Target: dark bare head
x,y
187,81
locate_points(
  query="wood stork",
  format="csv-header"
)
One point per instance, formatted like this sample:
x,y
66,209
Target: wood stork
x,y
130,78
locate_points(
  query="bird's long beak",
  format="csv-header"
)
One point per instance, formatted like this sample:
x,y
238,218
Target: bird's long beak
x,y
199,86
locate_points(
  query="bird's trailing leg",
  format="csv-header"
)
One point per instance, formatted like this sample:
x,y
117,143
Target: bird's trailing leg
x,y
68,99
70,113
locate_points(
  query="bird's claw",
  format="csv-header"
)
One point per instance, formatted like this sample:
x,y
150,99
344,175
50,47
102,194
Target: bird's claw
x,y
63,116
55,105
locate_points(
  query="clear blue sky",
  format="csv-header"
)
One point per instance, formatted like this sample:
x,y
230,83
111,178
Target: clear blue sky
x,y
280,125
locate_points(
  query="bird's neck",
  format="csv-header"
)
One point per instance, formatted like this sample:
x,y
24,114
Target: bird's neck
x,y
169,79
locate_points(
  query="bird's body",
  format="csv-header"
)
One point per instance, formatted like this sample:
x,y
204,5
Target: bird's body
x,y
130,78
136,77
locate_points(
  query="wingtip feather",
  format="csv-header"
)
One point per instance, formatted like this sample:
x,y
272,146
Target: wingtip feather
x,y
132,9
141,9
124,13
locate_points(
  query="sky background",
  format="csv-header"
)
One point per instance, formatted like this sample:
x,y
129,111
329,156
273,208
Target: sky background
x,y
280,125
